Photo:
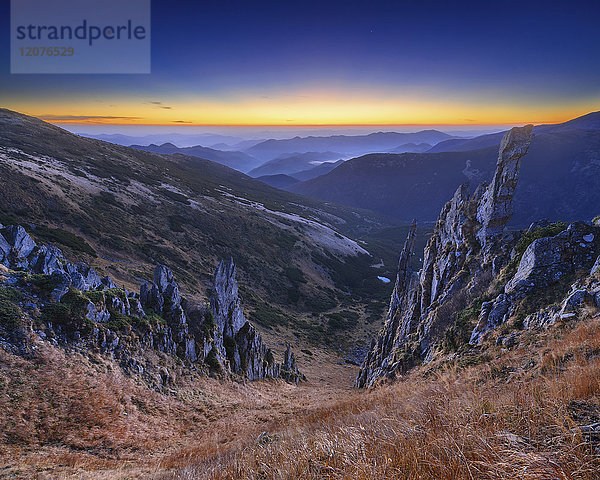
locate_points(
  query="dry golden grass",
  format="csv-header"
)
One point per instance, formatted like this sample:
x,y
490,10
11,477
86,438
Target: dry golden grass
x,y
502,420
516,416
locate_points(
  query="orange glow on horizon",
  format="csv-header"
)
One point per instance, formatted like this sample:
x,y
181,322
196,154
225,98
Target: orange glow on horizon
x,y
312,110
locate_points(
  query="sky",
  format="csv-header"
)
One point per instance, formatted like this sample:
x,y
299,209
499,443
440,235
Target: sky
x,y
336,63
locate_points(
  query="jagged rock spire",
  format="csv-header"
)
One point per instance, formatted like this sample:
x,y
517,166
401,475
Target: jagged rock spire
x,y
496,208
225,304
420,311
404,270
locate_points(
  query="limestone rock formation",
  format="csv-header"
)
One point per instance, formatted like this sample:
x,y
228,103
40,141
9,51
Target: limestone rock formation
x,y
237,343
289,368
495,208
467,244
19,251
218,337
547,260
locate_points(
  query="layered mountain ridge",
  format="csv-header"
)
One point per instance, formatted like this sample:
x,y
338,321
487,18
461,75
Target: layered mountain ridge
x,y
560,180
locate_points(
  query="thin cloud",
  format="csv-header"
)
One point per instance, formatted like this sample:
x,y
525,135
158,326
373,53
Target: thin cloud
x,y
160,105
180,121
68,118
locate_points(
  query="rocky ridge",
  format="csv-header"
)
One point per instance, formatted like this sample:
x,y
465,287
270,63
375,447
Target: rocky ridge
x,y
472,266
72,305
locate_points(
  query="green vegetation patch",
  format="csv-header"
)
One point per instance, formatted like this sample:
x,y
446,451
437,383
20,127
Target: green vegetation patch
x,y
63,237
95,296
69,313
343,320
10,314
268,316
44,283
459,334
541,232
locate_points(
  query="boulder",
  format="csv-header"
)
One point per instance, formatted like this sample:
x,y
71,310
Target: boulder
x,y
47,260
547,260
542,319
20,241
83,277
576,300
4,250
492,314
62,282
108,283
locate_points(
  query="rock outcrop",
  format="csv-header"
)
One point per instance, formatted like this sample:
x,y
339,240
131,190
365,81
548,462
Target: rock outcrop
x,y
496,207
469,251
237,343
19,251
468,242
548,260
82,308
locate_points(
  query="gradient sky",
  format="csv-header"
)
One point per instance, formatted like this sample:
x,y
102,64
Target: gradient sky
x,y
337,62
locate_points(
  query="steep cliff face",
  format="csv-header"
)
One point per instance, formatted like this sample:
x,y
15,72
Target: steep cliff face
x,y
467,247
71,304
476,277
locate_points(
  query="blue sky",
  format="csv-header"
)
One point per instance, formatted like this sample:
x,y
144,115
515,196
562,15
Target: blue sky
x,y
496,62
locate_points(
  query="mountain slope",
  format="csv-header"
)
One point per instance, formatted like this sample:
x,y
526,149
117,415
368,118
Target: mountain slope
x,y
591,121
406,186
317,171
124,210
237,160
280,181
289,164
560,179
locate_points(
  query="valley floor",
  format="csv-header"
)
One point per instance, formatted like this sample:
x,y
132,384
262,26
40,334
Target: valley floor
x,y
531,412
64,417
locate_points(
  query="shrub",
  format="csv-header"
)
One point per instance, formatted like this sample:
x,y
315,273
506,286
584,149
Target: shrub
x,y
9,311
44,283
69,313
94,296
459,334
341,320
63,237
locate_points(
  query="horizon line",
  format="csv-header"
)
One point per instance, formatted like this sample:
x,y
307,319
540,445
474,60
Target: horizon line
x,y
304,124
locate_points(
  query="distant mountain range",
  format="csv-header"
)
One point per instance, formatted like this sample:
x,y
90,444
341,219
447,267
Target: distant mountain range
x,y
411,147
350,145
219,142
560,176
237,160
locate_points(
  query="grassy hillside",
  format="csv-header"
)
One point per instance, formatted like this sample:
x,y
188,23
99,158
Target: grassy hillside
x,y
125,210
